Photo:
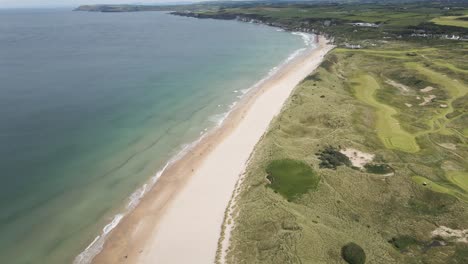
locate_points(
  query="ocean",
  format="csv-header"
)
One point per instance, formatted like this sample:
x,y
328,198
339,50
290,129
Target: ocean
x,y
94,105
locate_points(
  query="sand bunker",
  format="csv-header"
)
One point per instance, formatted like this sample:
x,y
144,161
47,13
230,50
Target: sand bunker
x,y
400,86
427,89
449,146
427,99
452,235
358,158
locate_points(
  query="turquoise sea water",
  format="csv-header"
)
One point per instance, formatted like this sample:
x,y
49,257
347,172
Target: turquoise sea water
x,y
92,105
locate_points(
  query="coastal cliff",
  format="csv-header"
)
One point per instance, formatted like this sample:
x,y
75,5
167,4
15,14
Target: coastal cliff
x,y
121,8
252,18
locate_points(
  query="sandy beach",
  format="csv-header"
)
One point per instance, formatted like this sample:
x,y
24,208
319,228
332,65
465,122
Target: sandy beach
x,y
180,219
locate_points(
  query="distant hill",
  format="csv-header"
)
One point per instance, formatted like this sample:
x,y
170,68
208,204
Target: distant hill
x,y
120,8
190,5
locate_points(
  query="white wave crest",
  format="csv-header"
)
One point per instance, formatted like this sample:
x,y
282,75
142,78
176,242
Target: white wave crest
x,y
96,246
309,39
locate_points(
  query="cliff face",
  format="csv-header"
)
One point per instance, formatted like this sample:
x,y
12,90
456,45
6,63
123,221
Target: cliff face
x,y
249,18
225,16
121,8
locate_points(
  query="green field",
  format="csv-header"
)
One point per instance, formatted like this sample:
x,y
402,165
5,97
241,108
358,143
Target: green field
x,y
455,21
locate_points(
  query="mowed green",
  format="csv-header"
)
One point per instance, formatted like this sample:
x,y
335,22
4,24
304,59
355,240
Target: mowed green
x,y
388,128
443,187
454,21
291,178
432,185
460,178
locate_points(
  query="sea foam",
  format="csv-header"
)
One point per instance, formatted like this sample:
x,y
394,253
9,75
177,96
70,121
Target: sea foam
x,y
309,39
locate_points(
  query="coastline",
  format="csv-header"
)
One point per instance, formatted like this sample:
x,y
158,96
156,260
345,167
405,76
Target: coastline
x,y
190,198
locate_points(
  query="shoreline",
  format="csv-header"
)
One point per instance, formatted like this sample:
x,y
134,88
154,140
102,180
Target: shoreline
x,y
185,183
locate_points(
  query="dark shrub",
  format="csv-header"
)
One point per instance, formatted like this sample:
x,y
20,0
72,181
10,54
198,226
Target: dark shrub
x,y
331,158
353,253
313,77
378,168
402,242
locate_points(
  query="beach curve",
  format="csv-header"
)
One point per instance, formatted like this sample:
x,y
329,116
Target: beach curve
x,y
184,211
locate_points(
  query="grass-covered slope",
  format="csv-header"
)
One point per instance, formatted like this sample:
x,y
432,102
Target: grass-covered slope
x,y
375,101
456,21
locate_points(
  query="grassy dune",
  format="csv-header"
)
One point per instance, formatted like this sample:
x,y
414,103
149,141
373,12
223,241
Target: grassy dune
x,y
349,103
454,88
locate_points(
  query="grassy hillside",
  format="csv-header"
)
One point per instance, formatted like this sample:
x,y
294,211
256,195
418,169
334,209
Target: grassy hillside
x,y
404,103
355,100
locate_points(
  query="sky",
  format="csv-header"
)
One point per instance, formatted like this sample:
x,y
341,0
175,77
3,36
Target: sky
x,y
73,3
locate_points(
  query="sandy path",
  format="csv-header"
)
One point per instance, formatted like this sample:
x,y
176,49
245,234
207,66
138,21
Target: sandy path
x,y
180,220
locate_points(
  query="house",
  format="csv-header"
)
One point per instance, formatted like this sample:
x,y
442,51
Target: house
x,y
353,46
362,24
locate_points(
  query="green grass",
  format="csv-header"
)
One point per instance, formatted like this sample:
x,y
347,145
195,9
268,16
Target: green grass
x,y
451,21
387,126
460,255
447,65
455,87
291,178
460,178
403,242
432,185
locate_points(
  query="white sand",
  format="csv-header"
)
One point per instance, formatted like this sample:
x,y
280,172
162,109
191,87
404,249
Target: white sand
x,y
427,99
450,146
427,89
357,157
189,230
400,86
456,235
